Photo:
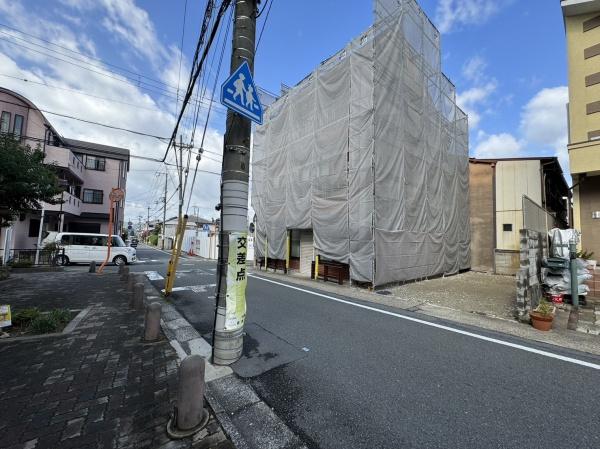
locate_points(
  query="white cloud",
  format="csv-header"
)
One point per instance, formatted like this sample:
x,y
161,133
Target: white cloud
x,y
474,69
497,146
470,100
544,122
452,14
146,112
543,127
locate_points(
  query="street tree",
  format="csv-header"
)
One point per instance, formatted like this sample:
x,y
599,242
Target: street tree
x,y
25,181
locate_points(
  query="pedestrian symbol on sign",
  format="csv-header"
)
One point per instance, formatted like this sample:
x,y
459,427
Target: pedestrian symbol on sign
x,y
239,94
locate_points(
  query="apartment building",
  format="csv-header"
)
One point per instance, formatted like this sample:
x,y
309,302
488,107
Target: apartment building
x,y
87,172
582,27
507,195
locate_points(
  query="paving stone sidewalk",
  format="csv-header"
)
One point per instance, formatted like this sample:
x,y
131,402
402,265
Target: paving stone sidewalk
x,y
97,387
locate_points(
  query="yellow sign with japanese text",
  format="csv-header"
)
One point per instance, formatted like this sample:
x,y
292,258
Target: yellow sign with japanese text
x,y
5,319
235,307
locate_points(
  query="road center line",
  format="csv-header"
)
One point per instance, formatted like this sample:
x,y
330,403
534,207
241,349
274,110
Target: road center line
x,y
440,326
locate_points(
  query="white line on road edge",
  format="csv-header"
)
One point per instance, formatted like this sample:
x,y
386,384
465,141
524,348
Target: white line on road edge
x,y
194,288
153,275
441,326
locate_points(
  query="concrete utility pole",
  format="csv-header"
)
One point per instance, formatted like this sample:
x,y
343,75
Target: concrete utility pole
x,y
227,344
148,226
164,223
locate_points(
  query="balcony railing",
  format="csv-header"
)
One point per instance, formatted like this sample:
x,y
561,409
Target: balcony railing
x,y
63,157
71,204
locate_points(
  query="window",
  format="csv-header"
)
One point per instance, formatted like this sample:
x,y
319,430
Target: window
x,y
5,122
95,163
507,227
93,196
86,240
34,227
18,126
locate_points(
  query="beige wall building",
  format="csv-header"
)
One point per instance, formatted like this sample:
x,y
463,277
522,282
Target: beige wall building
x,y
87,172
582,27
507,195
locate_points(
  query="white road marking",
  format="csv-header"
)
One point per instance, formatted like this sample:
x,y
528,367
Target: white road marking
x,y
193,288
153,275
441,326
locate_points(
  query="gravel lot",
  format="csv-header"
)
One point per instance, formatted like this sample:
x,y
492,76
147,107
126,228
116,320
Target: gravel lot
x,y
482,293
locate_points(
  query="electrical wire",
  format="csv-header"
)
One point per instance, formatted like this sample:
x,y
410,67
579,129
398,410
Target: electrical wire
x,y
181,52
224,6
263,26
208,113
137,74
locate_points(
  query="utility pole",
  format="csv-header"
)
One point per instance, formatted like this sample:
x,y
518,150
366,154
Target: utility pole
x,y
228,339
164,223
148,226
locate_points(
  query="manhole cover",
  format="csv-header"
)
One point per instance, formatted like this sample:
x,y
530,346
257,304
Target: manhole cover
x,y
383,292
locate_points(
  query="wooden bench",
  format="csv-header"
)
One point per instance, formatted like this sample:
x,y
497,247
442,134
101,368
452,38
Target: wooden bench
x,y
274,264
330,270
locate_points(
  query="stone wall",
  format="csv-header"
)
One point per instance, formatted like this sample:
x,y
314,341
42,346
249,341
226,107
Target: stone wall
x,y
533,248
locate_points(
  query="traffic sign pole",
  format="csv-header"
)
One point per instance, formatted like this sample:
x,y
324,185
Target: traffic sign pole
x,y
231,268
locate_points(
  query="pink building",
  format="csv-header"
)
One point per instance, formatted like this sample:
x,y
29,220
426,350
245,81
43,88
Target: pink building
x,y
87,171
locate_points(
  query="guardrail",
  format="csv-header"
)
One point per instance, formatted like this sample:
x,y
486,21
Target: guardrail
x,y
26,257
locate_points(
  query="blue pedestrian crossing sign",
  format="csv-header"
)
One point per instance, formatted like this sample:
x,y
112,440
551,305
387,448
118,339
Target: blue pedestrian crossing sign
x,y
239,94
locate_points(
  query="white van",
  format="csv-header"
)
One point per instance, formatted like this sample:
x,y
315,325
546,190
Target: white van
x,y
83,247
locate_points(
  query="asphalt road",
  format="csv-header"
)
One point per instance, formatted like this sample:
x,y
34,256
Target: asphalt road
x,y
367,379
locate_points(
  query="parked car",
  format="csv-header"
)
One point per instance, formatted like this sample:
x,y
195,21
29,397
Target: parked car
x,y
133,242
76,247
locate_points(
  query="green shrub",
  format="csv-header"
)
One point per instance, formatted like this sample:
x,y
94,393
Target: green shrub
x,y
22,264
60,316
24,317
44,324
4,273
153,239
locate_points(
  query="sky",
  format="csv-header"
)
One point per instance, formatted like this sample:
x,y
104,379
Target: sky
x,y
122,63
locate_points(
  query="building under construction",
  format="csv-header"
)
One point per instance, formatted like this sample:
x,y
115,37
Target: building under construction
x,y
365,162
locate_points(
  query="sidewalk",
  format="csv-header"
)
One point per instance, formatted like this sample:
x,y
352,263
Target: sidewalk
x,y
96,387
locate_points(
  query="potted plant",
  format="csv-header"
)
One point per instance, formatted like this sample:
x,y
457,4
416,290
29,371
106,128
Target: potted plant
x,y
542,316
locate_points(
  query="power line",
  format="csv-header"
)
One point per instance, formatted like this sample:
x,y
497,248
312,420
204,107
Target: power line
x,y
116,76
181,52
137,74
208,114
264,23
198,69
78,92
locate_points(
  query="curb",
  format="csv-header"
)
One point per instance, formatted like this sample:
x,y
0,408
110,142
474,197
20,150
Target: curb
x,y
69,328
235,404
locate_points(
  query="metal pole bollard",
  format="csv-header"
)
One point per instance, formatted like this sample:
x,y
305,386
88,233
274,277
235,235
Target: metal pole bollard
x,y
152,322
92,267
189,415
125,274
136,300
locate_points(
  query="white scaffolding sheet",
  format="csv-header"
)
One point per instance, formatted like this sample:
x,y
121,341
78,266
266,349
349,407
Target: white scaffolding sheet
x,y
370,151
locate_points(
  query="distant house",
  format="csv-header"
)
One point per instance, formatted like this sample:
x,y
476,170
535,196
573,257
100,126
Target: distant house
x,y
507,195
87,172
194,225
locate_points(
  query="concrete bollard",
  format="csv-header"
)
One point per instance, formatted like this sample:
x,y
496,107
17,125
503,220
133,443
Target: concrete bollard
x,y
125,274
131,281
92,266
152,322
190,415
136,300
